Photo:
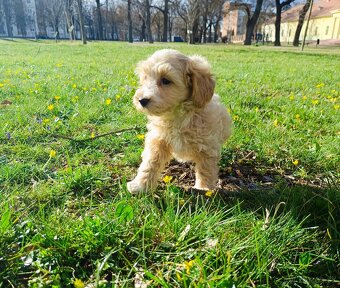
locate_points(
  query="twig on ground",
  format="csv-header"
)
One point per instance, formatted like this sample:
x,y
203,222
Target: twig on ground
x,y
97,136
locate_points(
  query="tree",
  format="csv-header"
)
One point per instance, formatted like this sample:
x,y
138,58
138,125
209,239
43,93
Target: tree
x,y
251,18
130,21
279,6
148,21
302,15
100,20
81,21
7,5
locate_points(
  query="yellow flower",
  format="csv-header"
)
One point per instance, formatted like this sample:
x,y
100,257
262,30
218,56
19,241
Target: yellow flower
x,y
297,116
78,283
336,106
93,135
59,65
181,202
188,265
315,101
295,162
108,101
291,97
45,121
94,89
256,109
118,97
141,136
236,118
304,97
2,85
167,179
209,193
74,86
57,97
75,99
320,85
50,107
275,123
53,153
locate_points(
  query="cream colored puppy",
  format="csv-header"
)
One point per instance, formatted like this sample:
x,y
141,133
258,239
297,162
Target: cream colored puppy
x,y
186,119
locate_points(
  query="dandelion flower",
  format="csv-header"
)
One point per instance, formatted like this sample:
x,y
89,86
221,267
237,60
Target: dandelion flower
x,y
188,265
336,106
74,86
141,136
50,107
236,118
315,101
295,162
209,193
75,99
297,116
118,97
167,179
291,97
276,123
2,85
108,101
93,135
320,85
57,97
53,153
78,283
304,97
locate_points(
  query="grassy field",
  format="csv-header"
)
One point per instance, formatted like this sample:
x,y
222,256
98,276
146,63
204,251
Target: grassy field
x,y
67,220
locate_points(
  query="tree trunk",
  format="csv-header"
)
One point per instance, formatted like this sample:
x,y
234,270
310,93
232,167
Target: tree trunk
x,y
279,7
81,20
165,20
302,15
148,21
130,22
100,21
8,17
278,23
251,23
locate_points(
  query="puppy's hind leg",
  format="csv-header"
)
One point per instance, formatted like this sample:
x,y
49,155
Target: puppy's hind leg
x,y
206,170
155,156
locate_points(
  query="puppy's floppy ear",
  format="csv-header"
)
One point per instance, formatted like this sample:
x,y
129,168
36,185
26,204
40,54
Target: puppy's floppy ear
x,y
202,81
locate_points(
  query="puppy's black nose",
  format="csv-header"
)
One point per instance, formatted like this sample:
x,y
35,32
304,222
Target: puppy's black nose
x,y
144,101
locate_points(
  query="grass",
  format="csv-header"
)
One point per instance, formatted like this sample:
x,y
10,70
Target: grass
x,y
67,220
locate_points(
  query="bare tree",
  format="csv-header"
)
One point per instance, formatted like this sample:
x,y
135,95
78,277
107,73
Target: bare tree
x,y
100,20
302,15
81,21
130,21
279,6
148,21
7,5
54,11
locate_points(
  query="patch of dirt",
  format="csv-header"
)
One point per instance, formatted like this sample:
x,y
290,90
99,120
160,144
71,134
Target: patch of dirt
x,y
244,175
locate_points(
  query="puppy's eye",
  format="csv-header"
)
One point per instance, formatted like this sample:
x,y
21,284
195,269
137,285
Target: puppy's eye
x,y
165,81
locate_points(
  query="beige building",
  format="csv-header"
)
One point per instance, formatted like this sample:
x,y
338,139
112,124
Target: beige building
x,y
324,23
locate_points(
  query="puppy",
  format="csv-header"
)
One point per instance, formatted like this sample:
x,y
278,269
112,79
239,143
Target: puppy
x,y
186,120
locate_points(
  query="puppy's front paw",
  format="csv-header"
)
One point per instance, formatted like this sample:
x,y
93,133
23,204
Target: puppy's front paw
x,y
135,187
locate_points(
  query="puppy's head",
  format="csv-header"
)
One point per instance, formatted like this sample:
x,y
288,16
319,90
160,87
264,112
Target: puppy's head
x,y
169,78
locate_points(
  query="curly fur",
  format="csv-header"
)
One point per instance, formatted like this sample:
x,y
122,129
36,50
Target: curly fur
x,y
186,120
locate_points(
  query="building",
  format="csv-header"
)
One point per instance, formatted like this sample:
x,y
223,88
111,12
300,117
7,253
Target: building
x,y
324,23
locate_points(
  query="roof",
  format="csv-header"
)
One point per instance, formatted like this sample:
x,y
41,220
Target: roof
x,y
321,8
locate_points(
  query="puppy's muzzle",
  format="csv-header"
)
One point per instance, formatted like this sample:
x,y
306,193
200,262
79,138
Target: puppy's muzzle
x,y
144,101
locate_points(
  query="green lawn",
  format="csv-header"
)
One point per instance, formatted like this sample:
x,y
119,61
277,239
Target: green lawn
x,y
67,219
